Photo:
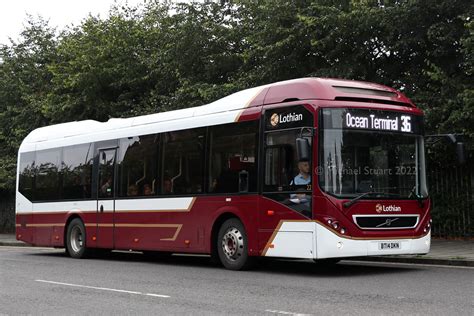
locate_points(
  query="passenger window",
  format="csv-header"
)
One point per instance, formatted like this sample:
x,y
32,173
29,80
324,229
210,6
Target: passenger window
x,y
233,158
76,170
47,176
138,166
183,163
27,174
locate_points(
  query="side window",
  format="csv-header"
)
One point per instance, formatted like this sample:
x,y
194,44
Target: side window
x,y
27,174
283,171
106,173
76,170
138,174
233,158
47,176
183,163
287,180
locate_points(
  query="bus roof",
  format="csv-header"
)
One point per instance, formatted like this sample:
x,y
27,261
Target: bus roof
x,y
283,91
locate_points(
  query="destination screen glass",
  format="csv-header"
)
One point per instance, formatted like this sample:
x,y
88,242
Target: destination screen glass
x,y
371,151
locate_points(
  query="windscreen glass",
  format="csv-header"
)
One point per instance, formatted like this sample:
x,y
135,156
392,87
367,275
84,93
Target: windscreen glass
x,y
371,151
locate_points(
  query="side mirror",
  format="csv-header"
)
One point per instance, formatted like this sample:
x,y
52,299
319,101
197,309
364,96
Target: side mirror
x,y
460,152
302,149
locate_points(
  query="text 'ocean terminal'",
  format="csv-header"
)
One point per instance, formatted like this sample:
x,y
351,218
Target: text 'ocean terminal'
x,y
402,123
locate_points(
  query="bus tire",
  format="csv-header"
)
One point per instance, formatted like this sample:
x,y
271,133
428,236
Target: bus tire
x,y
232,246
76,239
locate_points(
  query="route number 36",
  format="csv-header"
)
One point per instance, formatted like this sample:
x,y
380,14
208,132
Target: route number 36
x,y
406,124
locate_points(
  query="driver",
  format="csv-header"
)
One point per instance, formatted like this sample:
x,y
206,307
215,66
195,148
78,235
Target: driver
x,y
302,178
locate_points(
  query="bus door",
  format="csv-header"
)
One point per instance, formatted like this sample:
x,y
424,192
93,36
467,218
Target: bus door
x,y
105,198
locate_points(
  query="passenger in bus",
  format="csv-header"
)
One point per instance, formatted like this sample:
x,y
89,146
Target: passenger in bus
x,y
106,188
147,189
167,186
132,190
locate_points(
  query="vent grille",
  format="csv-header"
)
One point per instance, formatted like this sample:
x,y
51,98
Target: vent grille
x,y
370,100
386,222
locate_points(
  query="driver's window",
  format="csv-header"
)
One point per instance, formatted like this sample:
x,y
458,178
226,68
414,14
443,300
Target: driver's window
x,y
287,179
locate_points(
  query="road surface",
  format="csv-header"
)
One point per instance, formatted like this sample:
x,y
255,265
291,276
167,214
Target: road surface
x,y
46,281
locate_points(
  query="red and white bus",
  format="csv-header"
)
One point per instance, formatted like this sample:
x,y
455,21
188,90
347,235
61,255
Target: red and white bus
x,y
308,168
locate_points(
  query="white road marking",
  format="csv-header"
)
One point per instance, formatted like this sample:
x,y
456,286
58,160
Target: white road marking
x,y
102,288
285,313
156,295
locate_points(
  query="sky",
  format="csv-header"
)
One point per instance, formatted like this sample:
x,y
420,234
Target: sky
x,y
60,13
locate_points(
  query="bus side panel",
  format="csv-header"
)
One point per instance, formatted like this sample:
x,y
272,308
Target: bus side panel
x,y
244,207
179,224
271,215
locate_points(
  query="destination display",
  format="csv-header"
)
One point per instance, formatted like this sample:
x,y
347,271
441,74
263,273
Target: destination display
x,y
386,121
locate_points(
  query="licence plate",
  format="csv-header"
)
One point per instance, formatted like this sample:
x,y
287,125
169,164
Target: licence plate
x,y
389,245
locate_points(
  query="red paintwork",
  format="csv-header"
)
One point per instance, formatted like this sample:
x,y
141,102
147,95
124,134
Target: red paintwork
x,y
197,224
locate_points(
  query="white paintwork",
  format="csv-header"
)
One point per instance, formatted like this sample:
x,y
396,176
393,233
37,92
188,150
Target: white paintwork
x,y
164,204
63,207
23,205
292,241
222,111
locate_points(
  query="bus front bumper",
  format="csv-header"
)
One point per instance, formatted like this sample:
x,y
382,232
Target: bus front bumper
x,y
311,240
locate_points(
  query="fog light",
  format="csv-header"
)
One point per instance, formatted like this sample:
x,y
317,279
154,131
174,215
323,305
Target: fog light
x,y
343,231
425,230
335,225
431,220
428,225
329,221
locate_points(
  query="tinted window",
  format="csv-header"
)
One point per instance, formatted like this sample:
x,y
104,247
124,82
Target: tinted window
x,y
27,174
283,171
47,176
76,171
138,167
233,158
183,165
106,173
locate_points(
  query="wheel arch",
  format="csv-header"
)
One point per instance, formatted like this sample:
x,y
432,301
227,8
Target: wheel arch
x,y
215,228
68,221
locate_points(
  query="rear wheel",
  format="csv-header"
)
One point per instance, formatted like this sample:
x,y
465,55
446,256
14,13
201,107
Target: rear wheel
x,y
232,246
76,239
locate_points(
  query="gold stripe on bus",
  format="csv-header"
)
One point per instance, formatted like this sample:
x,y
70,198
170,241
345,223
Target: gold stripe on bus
x,y
248,103
173,238
40,225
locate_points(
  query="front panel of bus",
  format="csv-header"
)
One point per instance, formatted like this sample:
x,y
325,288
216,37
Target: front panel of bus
x,y
371,173
363,191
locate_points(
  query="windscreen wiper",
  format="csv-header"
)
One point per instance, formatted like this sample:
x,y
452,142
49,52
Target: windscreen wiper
x,y
357,198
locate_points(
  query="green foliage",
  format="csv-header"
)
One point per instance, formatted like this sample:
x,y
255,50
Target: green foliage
x,y
154,57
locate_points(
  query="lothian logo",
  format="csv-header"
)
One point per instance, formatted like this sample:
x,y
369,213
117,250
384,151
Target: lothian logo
x,y
274,119
379,208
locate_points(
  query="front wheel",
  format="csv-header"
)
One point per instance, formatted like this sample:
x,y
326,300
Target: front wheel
x,y
232,246
76,239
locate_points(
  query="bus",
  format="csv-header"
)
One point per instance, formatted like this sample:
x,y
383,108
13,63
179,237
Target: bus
x,y
311,168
